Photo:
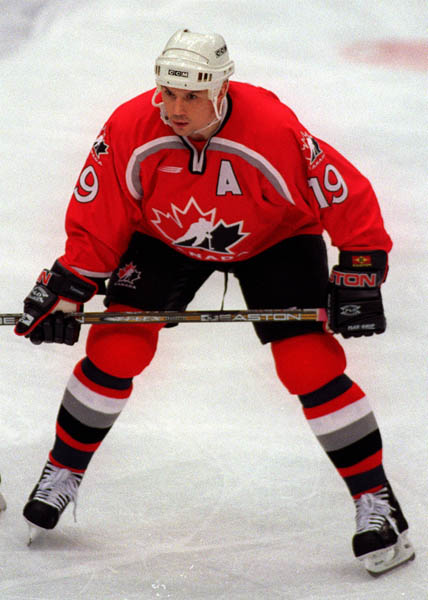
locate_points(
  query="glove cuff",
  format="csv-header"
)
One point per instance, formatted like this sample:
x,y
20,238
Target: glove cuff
x,y
373,259
68,284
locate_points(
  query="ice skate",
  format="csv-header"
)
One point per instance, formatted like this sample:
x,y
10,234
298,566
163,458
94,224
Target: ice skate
x,y
55,489
381,541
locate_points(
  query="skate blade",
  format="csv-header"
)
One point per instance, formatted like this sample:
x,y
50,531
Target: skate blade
x,y
34,532
385,560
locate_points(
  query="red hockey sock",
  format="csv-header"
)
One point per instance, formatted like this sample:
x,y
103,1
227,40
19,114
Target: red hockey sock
x,y
312,366
92,402
100,387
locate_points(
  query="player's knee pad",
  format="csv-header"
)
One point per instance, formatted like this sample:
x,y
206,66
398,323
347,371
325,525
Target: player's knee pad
x,y
307,362
122,349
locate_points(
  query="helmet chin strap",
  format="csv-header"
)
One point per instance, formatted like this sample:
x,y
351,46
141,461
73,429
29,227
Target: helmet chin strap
x,y
219,114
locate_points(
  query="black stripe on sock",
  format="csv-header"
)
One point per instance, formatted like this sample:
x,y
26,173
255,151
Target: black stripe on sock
x,y
70,457
99,377
358,484
338,386
78,431
356,452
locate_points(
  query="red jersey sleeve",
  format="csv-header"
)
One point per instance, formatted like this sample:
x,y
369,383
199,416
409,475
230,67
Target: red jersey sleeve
x,y
334,190
315,179
101,215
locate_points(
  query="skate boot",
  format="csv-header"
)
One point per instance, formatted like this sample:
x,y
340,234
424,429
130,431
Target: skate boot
x,y
55,489
380,541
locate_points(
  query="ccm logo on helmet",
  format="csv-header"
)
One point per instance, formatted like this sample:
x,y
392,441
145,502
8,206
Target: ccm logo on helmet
x,y
221,51
175,73
353,279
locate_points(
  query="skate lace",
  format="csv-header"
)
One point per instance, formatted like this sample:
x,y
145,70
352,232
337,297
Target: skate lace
x,y
58,487
373,510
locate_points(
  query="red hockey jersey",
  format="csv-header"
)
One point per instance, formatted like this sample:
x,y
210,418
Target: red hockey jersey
x,y
260,179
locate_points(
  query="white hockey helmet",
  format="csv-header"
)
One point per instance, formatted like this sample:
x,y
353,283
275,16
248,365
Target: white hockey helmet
x,y
194,61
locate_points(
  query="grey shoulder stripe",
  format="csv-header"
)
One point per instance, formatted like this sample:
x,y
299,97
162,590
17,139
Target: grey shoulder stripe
x,y
256,160
132,170
217,144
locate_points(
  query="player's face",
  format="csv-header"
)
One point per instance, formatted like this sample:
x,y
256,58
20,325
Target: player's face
x,y
188,111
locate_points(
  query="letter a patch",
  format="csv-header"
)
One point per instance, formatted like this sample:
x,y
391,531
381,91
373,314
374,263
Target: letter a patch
x,y
227,182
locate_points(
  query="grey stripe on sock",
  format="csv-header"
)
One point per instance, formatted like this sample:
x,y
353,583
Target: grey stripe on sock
x,y
85,415
349,434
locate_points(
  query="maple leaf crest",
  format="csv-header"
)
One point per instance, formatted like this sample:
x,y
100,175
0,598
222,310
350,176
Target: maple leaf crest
x,y
99,147
313,153
191,227
129,274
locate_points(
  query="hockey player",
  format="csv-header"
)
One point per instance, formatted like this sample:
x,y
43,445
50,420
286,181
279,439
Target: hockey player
x,y
203,174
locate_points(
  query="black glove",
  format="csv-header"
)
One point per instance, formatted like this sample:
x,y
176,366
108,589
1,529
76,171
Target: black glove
x,y
354,300
57,290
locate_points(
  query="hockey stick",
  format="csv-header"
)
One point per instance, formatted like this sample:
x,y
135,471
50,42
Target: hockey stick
x,y
191,316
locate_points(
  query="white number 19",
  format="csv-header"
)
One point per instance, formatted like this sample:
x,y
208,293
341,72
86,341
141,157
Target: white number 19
x,y
333,182
88,185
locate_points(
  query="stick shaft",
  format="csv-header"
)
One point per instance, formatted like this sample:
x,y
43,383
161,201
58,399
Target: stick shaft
x,y
192,316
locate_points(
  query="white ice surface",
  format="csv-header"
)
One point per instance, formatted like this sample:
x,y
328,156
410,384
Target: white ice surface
x,y
210,485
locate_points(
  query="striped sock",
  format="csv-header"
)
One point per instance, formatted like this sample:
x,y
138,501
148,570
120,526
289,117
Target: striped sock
x,y
340,416
91,404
